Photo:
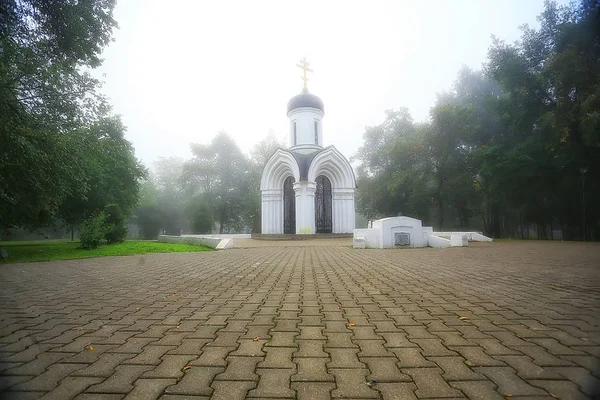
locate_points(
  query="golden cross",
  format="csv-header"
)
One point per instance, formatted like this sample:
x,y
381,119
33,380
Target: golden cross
x,y
304,65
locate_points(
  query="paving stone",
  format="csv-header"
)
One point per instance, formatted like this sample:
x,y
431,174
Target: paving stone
x,y
171,366
478,390
344,358
396,391
587,383
282,339
453,339
25,395
311,370
231,390
189,346
240,369
477,357
311,348
9,381
384,369
589,362
133,345
71,387
411,358
104,366
121,381
455,369
38,365
555,348
433,347
527,369
430,383
151,355
49,379
29,354
542,358
99,396
278,357
146,389
213,357
195,381
537,323
373,348
352,383
509,382
274,383
338,339
250,348
313,390
564,390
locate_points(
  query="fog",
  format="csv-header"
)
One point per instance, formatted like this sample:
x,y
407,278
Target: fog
x,y
180,71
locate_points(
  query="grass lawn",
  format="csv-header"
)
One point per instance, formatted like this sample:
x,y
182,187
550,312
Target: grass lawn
x,y
48,250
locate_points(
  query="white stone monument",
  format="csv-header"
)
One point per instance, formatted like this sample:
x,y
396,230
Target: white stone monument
x,y
306,188
397,232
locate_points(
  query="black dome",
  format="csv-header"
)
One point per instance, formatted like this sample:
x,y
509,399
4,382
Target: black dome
x,y
305,99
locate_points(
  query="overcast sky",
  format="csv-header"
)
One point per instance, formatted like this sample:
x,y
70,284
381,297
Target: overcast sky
x,y
179,71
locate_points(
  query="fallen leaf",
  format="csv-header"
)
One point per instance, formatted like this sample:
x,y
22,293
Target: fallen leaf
x,y
89,331
187,367
256,339
178,326
508,395
463,318
90,348
553,395
174,293
78,329
351,324
339,307
137,309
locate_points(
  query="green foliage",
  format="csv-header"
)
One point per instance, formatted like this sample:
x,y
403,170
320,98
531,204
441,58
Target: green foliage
x,y
201,216
150,221
220,173
94,231
116,231
62,155
502,150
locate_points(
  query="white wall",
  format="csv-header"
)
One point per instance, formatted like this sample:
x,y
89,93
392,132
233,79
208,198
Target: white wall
x,y
305,118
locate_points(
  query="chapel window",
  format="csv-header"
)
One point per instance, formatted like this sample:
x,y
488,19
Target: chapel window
x,y
316,132
295,135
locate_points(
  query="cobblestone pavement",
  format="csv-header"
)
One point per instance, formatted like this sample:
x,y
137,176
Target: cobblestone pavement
x,y
491,321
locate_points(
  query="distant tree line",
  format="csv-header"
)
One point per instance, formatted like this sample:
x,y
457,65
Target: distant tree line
x,y
514,146
217,190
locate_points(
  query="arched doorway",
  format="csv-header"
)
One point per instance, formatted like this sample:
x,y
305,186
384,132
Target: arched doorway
x,y
323,208
289,206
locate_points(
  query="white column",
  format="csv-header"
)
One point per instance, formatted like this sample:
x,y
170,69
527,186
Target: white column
x,y
272,211
305,207
343,207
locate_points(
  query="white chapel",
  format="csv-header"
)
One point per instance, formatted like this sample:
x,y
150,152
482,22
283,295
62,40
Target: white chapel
x,y
307,188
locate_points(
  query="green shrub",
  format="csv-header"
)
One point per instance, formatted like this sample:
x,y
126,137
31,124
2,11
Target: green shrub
x,y
115,221
94,231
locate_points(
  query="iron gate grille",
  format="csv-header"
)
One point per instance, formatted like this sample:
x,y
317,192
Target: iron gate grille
x,y
323,209
289,206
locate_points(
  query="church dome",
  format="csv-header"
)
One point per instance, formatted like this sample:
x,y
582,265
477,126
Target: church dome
x,y
305,99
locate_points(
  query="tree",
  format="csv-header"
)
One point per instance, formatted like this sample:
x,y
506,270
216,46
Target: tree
x,y
47,101
220,172
110,173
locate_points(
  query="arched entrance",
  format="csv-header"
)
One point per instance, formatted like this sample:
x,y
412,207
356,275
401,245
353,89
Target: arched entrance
x,y
323,208
289,206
